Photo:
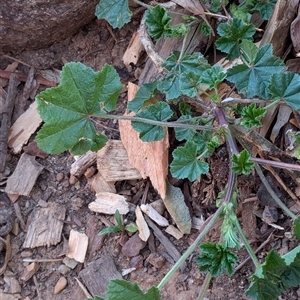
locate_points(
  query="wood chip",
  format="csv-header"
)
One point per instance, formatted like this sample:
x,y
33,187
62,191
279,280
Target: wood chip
x,y
24,176
82,163
144,231
23,128
46,226
29,271
97,275
149,158
60,285
154,215
108,203
99,184
113,163
174,232
78,243
133,51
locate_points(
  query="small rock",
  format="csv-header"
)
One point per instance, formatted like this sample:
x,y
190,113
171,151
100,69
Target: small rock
x,y
156,260
270,214
133,246
137,262
42,203
60,177
159,206
26,253
60,285
71,263
73,179
63,269
76,203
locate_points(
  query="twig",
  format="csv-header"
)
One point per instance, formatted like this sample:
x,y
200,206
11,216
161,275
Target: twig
x,y
19,215
87,294
37,287
43,260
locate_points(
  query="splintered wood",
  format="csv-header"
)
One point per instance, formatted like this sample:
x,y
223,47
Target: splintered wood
x,y
24,176
149,158
78,243
45,226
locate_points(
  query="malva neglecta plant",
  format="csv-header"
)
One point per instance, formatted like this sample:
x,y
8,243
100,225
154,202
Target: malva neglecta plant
x,y
69,111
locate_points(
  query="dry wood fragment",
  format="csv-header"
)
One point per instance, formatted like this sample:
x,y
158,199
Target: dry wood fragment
x,y
23,128
99,184
24,176
133,51
174,232
82,163
10,68
108,203
46,226
114,164
154,215
6,109
171,249
29,271
104,270
197,223
150,158
7,254
78,243
60,285
144,231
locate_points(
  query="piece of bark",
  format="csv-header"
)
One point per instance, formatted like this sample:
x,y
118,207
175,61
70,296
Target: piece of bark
x,y
29,271
133,246
279,25
46,226
104,270
78,243
82,163
6,109
133,51
170,248
108,203
32,149
8,252
174,232
149,158
10,68
144,231
24,176
99,184
154,215
23,128
114,164
177,208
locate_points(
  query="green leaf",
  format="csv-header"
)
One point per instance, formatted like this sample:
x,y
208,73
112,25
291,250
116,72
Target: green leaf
x,y
131,227
124,290
110,229
96,298
265,8
248,51
116,12
182,134
118,218
291,275
185,163
158,21
241,163
231,35
293,148
205,29
213,77
145,93
286,86
215,258
251,115
253,80
66,109
178,81
160,111
296,227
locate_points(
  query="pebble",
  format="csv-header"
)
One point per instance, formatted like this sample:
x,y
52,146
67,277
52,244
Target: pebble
x,y
43,203
26,253
156,260
76,203
133,246
73,179
60,285
137,262
60,177
63,269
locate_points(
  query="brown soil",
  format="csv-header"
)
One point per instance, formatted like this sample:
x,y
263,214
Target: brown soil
x,y
94,45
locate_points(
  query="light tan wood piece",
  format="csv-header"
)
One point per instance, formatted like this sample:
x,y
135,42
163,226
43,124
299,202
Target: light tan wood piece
x,y
154,215
133,51
23,128
174,232
99,184
82,163
114,164
144,231
45,226
108,203
150,158
78,243
24,176
29,271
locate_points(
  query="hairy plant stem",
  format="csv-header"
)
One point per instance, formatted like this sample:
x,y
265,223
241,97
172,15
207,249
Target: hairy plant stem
x,y
276,164
142,4
204,286
158,123
246,243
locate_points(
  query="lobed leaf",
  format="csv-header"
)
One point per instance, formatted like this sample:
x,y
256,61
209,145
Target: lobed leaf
x,y
116,12
251,115
241,163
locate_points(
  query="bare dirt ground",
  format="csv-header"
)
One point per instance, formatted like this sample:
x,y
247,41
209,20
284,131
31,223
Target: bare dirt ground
x,y
94,45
